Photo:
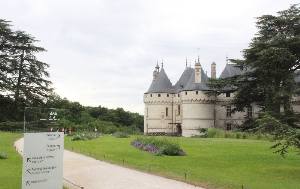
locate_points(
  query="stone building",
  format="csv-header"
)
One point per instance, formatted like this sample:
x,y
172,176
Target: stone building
x,y
183,108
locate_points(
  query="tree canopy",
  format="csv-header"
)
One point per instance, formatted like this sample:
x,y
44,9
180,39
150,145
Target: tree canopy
x,y
23,76
24,85
271,79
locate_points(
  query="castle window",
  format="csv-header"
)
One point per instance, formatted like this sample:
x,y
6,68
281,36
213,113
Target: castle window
x,y
150,95
167,112
196,92
178,109
167,95
158,95
227,94
228,111
178,95
228,127
250,112
147,113
185,93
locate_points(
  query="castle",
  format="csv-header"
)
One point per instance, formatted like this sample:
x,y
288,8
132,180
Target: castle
x,y
184,109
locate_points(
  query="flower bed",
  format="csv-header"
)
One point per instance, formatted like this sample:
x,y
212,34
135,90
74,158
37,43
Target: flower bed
x,y
85,136
158,146
121,135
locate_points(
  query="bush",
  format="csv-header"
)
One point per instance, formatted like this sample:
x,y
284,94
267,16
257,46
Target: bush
x,y
85,136
12,126
121,135
158,146
3,155
245,136
238,135
214,133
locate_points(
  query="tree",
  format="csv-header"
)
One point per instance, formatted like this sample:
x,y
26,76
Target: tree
x,y
5,47
23,77
271,63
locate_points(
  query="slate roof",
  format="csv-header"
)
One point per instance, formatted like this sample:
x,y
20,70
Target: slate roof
x,y
183,80
231,70
161,84
192,86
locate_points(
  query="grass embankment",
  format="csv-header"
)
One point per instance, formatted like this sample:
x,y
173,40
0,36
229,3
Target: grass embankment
x,y
210,162
11,168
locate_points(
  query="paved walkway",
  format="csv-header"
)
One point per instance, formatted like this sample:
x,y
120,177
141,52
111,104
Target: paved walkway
x,y
85,172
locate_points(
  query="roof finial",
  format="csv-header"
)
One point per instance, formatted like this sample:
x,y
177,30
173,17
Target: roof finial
x,y
198,56
226,59
186,62
157,66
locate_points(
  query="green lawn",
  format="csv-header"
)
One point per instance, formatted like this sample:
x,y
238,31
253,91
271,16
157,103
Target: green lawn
x,y
212,163
10,168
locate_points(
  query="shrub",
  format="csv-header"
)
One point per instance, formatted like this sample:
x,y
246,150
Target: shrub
x,y
85,136
238,135
3,155
259,136
121,135
158,146
214,133
245,136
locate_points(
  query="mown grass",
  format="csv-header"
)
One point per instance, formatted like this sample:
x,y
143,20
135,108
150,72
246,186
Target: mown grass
x,y
11,168
210,162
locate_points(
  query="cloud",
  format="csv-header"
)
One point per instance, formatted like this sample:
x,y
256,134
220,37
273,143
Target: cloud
x,y
104,52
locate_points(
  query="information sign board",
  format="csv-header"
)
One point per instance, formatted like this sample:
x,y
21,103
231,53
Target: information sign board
x,y
43,160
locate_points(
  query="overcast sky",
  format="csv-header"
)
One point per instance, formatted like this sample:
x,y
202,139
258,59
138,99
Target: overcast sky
x,y
104,52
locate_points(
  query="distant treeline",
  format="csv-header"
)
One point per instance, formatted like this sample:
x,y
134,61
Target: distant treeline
x,y
72,115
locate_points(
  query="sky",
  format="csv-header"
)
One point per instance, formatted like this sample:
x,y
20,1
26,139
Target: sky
x,y
103,53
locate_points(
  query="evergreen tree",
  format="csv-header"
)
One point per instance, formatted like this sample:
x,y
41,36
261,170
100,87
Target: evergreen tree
x,y
23,77
271,63
5,48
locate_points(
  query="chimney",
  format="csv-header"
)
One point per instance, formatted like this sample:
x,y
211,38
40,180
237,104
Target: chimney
x,y
213,70
198,71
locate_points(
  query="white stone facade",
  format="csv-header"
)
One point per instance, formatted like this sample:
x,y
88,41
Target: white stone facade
x,y
184,108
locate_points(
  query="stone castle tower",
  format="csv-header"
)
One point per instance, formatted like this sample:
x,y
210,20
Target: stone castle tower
x,y
183,108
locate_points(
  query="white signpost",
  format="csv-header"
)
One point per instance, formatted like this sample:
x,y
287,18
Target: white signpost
x,y
43,160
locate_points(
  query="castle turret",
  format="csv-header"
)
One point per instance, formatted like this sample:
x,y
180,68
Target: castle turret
x,y
213,70
198,71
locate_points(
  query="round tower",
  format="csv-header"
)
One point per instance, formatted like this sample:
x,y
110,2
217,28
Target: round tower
x,y
158,105
197,108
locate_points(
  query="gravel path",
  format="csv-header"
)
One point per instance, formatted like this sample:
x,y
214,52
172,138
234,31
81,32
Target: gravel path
x,y
85,172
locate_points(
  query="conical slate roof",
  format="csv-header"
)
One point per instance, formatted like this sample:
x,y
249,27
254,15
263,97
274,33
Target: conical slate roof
x,y
161,84
182,82
231,70
191,85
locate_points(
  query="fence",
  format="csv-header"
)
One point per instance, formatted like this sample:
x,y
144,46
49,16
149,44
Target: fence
x,y
185,176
